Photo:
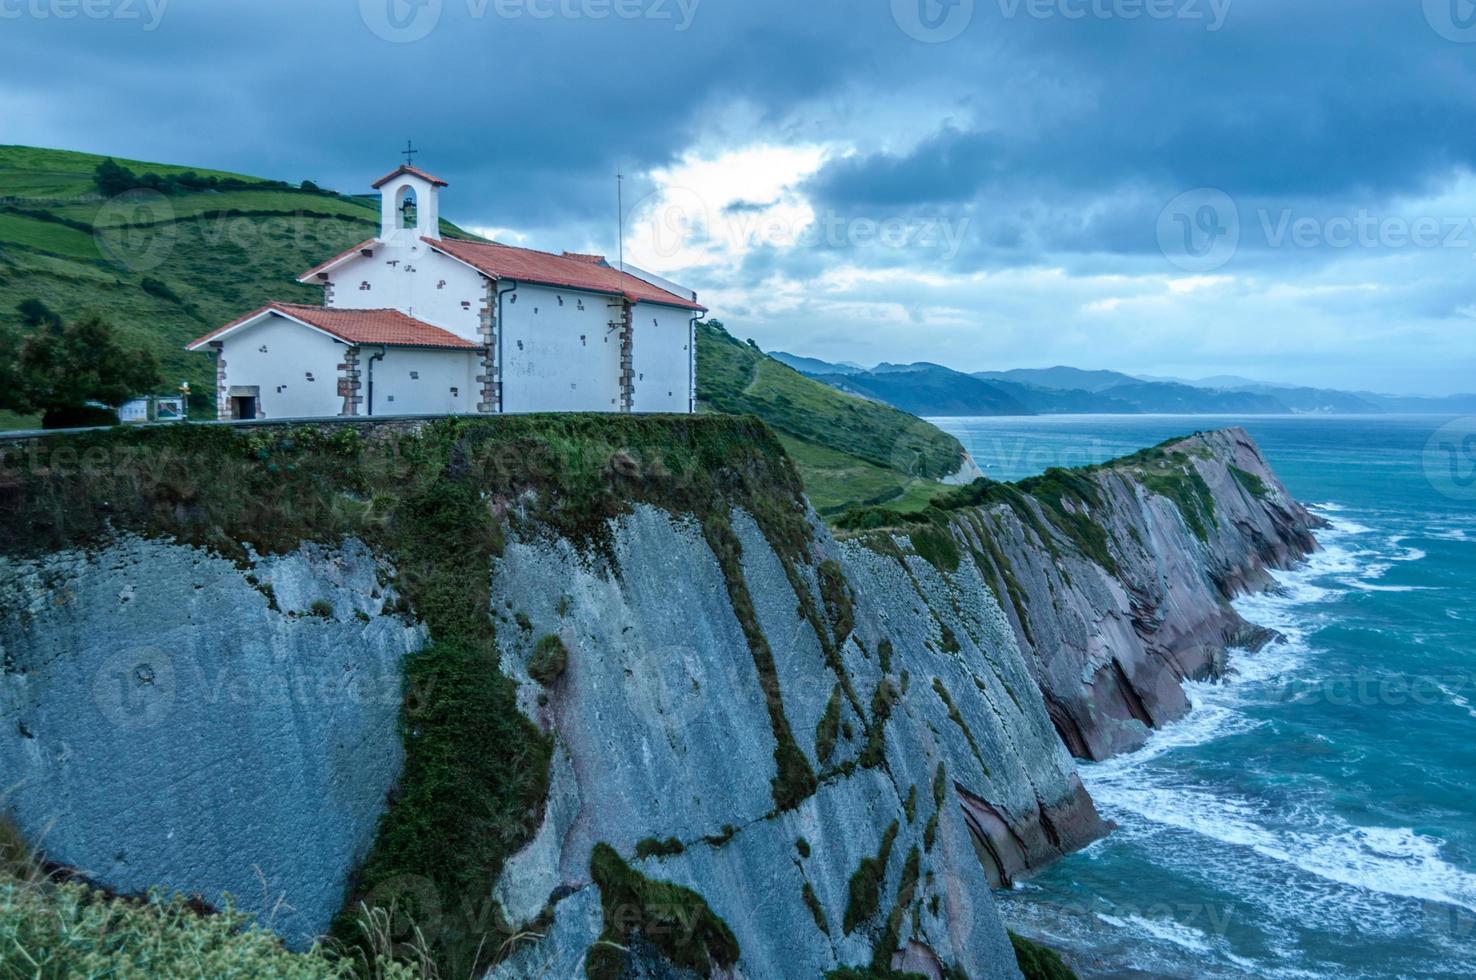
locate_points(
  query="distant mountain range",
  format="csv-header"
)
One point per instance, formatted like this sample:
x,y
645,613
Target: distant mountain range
x,y
931,389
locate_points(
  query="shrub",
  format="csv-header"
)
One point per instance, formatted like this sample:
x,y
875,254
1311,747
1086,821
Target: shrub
x,y
816,910
837,596
866,881
549,661
676,920
651,847
1039,963
828,728
159,288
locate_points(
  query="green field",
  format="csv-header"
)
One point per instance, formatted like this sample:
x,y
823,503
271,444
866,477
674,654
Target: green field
x,y
207,257
218,254
850,451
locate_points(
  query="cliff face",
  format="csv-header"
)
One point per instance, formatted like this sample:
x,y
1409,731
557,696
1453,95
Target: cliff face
x,y
662,733
1116,580
730,742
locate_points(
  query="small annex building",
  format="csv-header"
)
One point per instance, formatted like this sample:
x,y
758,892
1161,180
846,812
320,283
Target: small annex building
x,y
416,324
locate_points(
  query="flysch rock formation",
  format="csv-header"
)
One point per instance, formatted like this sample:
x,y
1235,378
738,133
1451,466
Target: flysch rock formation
x,y
164,721
938,702
662,733
1111,649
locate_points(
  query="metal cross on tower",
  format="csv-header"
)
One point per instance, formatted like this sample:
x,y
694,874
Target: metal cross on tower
x,y
409,152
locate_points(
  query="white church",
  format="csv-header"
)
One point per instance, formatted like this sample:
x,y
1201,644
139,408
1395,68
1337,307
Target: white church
x,y
414,324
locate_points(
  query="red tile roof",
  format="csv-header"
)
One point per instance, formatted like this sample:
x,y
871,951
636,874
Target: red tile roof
x,y
591,259
547,269
412,171
370,243
389,328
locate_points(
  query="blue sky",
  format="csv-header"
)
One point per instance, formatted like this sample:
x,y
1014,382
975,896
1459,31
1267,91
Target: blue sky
x,y
1174,187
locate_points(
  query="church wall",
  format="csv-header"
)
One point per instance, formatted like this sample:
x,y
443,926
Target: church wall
x,y
662,359
417,281
295,368
559,358
411,381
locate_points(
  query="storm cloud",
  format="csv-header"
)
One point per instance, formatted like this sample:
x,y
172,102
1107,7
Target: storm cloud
x,y
1160,186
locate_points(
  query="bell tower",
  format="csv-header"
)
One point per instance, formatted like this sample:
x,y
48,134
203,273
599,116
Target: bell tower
x,y
410,207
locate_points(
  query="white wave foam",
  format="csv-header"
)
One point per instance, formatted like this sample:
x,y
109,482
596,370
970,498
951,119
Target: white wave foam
x,y
1388,861
1168,931
1457,699
1370,587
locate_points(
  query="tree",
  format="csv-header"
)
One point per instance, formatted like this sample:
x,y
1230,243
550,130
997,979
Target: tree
x,y
113,179
64,371
35,313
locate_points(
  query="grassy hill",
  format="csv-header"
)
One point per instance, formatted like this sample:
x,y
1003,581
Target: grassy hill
x,y
164,268
849,450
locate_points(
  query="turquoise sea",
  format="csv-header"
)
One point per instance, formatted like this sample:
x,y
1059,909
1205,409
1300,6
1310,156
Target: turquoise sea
x,y
1315,816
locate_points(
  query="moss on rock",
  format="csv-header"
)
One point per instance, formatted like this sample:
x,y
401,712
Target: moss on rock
x,y
676,920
